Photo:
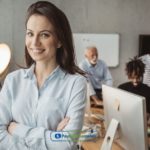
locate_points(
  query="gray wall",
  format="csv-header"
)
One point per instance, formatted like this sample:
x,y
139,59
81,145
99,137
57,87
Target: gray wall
x,y
129,18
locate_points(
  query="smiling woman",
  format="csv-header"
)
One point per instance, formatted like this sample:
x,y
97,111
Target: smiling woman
x,y
41,40
49,95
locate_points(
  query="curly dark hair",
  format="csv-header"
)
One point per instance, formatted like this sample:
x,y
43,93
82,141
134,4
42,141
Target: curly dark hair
x,y
136,66
65,55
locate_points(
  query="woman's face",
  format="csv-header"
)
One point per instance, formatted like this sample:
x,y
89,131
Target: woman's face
x,y
41,40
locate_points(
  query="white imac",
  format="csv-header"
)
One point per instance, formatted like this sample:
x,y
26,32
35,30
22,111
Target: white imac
x,y
125,119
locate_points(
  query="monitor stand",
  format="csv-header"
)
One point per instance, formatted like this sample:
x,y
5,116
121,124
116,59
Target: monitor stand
x,y
110,134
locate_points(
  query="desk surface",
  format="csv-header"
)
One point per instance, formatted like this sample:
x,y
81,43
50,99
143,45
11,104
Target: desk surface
x,y
96,144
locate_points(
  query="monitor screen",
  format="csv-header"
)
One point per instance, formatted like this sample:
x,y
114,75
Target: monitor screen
x,y
144,44
130,111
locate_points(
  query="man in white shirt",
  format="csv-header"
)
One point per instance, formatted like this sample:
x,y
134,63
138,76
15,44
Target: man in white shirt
x,y
146,60
97,72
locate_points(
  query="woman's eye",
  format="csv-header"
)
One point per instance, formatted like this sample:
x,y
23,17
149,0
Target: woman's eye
x,y
45,35
30,34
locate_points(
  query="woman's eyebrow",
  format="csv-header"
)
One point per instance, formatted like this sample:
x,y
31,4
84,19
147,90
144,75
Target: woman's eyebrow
x,y
42,31
46,31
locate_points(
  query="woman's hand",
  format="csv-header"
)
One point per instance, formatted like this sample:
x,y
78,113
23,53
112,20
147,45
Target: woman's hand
x,y
11,127
63,124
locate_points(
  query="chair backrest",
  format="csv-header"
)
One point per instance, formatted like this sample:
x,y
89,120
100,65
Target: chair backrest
x,y
88,105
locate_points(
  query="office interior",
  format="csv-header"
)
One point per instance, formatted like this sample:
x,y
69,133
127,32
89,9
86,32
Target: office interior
x,y
127,18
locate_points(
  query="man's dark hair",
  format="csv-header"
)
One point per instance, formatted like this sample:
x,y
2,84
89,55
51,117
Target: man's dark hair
x,y
135,66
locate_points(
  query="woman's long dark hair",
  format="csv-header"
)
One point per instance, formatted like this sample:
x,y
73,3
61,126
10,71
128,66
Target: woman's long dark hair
x,y
65,55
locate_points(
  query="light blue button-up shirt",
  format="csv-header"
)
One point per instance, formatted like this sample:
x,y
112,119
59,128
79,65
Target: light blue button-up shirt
x,y
98,74
39,111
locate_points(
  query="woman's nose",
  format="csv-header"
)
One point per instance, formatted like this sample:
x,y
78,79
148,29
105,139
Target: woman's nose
x,y
36,41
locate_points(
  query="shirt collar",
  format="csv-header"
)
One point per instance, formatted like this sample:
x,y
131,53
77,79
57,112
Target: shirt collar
x,y
29,73
57,72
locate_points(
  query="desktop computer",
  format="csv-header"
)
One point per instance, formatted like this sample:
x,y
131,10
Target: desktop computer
x,y
126,114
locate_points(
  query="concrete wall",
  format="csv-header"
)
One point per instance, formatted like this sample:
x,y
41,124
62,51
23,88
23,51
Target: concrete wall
x,y
126,17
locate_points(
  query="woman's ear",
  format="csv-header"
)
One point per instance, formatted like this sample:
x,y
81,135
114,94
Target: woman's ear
x,y
59,45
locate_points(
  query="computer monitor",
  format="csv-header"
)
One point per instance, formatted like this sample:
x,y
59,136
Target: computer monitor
x,y
129,110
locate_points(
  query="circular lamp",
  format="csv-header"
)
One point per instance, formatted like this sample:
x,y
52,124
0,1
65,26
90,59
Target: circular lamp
x,y
5,56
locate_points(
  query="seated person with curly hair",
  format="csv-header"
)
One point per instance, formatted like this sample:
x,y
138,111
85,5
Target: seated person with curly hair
x,y
135,70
